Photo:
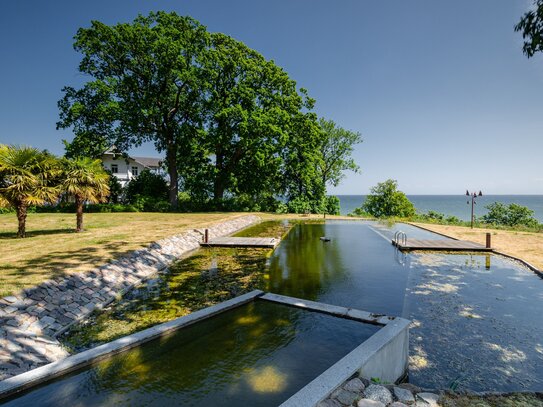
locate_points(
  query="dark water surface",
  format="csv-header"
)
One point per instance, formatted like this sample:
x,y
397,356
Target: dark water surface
x,y
256,355
478,318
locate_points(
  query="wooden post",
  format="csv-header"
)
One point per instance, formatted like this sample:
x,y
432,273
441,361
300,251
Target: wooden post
x,y
206,236
488,241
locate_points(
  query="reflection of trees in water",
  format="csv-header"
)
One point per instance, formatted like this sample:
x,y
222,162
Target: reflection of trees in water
x,y
302,266
226,356
474,323
258,353
204,357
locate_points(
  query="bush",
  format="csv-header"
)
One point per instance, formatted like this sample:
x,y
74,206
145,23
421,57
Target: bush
x,y
147,184
332,205
387,201
151,204
299,205
509,215
360,212
438,217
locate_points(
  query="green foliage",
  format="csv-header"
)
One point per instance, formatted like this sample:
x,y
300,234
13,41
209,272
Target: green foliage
x,y
531,25
27,177
147,185
116,190
439,218
85,180
336,149
509,215
332,205
359,212
150,204
386,200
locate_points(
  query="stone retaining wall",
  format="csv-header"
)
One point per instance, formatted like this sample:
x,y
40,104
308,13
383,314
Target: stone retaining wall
x,y
30,322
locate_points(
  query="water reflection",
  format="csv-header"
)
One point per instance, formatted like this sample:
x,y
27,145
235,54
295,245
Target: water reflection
x,y
357,268
258,355
476,322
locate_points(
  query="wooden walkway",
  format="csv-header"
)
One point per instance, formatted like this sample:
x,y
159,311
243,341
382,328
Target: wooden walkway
x,y
445,245
254,242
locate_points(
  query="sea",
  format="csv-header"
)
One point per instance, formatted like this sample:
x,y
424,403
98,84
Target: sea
x,y
454,205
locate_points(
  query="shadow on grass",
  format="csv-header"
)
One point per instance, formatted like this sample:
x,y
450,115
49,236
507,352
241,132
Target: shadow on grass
x,y
34,233
53,265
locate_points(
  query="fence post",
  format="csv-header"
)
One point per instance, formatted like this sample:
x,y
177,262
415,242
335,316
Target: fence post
x,y
488,245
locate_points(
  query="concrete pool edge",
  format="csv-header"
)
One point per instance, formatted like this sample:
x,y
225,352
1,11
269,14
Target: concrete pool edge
x,y
378,356
23,381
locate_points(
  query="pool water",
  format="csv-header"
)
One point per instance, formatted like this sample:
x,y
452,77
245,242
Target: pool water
x,y
258,354
478,317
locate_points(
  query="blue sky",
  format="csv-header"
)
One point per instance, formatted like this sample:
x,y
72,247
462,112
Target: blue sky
x,y
441,92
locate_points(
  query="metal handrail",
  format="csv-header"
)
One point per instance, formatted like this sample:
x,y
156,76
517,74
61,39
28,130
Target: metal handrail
x,y
400,235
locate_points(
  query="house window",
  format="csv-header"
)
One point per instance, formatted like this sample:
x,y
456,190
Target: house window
x,y
114,168
135,171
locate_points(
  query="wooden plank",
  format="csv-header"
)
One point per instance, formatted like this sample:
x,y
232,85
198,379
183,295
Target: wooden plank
x,y
229,241
447,245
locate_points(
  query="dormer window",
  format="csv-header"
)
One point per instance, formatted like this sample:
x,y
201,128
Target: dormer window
x,y
114,168
135,171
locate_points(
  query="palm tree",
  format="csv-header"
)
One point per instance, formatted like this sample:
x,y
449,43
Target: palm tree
x,y
86,181
27,177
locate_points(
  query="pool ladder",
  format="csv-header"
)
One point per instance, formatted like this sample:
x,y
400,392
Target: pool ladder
x,y
400,237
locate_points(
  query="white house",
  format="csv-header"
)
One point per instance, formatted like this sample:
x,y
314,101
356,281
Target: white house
x,y
130,167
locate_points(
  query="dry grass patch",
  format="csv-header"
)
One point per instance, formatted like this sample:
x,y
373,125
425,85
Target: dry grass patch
x,y
52,249
525,245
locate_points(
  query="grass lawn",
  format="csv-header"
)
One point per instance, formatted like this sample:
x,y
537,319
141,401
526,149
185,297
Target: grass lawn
x,y
525,245
53,249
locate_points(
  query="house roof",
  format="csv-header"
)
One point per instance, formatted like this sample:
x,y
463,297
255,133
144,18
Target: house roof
x,y
149,162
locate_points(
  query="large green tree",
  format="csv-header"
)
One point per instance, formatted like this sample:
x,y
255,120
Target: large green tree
x,y
146,87
252,115
531,26
386,200
27,177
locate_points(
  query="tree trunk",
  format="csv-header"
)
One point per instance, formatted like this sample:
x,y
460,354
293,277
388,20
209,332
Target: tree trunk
x,y
79,213
218,182
21,210
171,160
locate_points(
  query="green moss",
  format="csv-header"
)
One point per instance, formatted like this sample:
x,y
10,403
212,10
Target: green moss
x,y
206,278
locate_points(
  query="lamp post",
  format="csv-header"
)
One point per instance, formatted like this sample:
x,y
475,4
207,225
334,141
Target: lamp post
x,y
473,196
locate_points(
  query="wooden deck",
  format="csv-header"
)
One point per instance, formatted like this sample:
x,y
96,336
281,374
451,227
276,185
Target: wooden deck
x,y
249,242
444,244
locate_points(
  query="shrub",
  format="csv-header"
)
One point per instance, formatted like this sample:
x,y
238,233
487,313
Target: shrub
x,y
147,184
332,205
386,201
509,215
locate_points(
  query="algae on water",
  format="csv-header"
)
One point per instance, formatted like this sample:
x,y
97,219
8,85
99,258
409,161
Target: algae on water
x,y
210,276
